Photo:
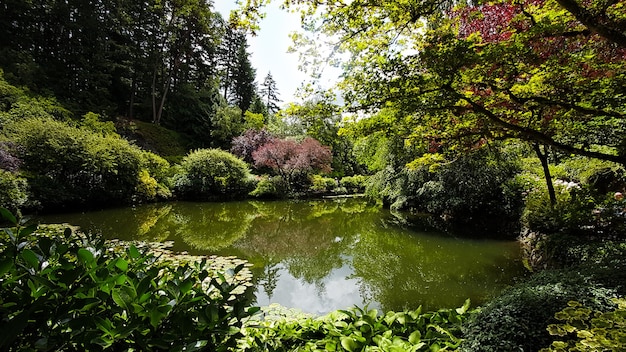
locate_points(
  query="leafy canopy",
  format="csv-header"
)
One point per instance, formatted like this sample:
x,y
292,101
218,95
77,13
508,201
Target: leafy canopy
x,y
545,71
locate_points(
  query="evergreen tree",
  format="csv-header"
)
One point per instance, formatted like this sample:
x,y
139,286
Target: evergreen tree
x,y
269,93
243,79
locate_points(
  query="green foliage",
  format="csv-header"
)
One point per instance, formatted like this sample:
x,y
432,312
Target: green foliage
x,y
358,329
228,123
471,188
91,121
321,184
354,184
212,173
517,319
68,166
587,330
13,191
167,143
579,211
62,291
270,187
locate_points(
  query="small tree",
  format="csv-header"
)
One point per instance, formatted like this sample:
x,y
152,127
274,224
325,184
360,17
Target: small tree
x,y
269,93
290,159
244,145
212,173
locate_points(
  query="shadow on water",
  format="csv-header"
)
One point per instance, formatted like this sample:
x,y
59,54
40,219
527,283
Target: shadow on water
x,y
323,255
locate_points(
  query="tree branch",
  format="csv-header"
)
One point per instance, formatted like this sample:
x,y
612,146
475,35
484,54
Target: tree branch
x,y
593,22
534,135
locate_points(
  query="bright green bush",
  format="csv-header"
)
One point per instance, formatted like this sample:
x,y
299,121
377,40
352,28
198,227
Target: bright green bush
x,y
13,191
354,184
213,173
582,329
357,330
516,320
64,292
321,184
69,166
270,188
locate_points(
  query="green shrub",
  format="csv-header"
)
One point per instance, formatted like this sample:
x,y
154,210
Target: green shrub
x,y
61,291
517,319
69,166
213,173
357,330
578,211
582,329
354,184
472,190
321,184
13,191
270,188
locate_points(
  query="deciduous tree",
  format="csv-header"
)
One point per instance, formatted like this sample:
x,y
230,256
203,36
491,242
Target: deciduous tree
x,y
290,159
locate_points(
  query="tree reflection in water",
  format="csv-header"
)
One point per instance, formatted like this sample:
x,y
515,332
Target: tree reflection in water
x,y
323,255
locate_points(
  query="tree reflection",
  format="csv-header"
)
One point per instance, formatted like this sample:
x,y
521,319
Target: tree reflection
x,y
336,248
434,271
213,226
308,238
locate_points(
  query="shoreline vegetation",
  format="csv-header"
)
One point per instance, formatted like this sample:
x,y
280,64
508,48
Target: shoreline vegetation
x,y
505,112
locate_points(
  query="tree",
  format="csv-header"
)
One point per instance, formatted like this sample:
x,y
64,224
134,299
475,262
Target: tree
x,y
320,118
290,159
548,72
212,173
269,93
243,79
243,146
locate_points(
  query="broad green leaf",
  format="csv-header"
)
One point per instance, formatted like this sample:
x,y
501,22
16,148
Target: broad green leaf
x,y
85,256
8,216
133,252
28,230
185,286
123,296
349,344
415,337
31,258
5,266
464,308
121,264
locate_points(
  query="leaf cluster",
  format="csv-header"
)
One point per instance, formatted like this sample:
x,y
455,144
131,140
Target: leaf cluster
x,y
359,329
587,330
207,173
63,291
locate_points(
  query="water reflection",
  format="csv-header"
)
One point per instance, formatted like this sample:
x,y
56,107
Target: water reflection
x,y
322,255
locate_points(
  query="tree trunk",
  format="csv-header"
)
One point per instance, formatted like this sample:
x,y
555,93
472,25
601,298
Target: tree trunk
x,y
543,157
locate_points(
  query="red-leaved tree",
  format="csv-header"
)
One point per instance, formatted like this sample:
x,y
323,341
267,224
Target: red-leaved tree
x,y
289,159
251,140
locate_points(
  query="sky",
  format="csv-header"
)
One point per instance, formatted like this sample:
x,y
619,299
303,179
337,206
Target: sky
x,y
269,49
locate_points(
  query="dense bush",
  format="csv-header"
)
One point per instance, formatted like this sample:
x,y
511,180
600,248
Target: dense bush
x,y
468,190
321,184
69,166
582,329
357,330
517,319
270,188
13,191
213,173
354,184
61,291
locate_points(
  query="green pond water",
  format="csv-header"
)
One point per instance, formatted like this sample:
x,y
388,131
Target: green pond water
x,y
322,255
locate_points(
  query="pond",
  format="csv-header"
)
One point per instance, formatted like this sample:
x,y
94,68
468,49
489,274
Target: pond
x,y
322,255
